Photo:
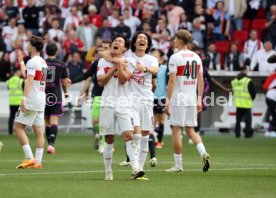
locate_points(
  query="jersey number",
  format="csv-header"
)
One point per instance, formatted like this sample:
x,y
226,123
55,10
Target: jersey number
x,y
43,77
190,70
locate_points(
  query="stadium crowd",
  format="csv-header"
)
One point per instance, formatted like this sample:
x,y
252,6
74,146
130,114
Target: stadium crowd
x,y
230,33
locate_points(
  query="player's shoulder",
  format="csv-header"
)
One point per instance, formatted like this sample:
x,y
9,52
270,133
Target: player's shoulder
x,y
150,57
102,61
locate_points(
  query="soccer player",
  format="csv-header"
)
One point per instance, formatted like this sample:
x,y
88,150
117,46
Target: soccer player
x,y
31,110
56,77
141,85
185,89
116,105
91,76
160,96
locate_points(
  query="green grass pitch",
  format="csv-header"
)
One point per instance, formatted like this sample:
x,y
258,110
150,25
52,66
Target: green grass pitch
x,y
240,168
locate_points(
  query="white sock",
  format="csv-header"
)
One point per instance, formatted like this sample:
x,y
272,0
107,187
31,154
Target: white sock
x,y
107,154
38,155
28,151
143,151
133,158
137,140
178,160
201,148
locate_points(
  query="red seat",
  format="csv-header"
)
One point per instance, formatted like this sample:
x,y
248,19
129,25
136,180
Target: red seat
x,y
245,24
222,46
261,13
258,24
241,35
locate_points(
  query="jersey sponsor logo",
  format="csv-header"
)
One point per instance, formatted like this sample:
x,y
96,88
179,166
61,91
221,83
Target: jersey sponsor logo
x,y
139,77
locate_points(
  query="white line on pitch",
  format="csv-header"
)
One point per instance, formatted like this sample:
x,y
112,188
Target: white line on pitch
x,y
156,170
160,162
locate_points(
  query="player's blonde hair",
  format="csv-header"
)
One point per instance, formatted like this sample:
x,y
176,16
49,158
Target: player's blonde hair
x,y
184,35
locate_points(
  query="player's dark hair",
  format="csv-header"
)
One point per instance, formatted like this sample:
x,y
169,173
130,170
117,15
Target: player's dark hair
x,y
37,43
133,41
107,41
121,36
51,49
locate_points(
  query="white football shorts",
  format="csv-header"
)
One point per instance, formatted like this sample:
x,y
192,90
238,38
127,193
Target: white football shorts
x,y
143,116
30,118
183,116
115,120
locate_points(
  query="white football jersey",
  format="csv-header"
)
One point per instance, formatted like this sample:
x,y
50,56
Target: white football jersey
x,y
115,94
36,99
141,83
187,65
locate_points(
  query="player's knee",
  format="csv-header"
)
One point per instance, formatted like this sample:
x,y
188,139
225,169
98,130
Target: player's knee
x,y
109,139
18,128
127,136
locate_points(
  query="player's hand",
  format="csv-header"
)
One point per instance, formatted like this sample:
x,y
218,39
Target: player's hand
x,y
23,106
67,82
20,56
199,106
140,67
80,100
167,110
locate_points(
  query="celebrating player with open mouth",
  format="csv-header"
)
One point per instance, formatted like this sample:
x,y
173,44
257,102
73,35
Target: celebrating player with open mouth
x,y
116,105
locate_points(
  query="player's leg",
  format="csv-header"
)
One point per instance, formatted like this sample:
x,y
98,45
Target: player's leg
x,y
125,127
177,149
108,156
52,134
21,120
177,121
191,123
38,131
160,119
137,133
108,127
152,150
131,152
99,139
135,119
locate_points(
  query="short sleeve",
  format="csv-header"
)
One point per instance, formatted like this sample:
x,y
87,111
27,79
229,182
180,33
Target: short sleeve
x,y
172,64
64,72
31,68
154,62
100,68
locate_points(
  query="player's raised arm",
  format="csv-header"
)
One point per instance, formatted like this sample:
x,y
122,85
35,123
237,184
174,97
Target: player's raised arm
x,y
22,64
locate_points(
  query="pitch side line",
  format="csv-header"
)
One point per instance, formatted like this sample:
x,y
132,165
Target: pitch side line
x,y
159,162
156,170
